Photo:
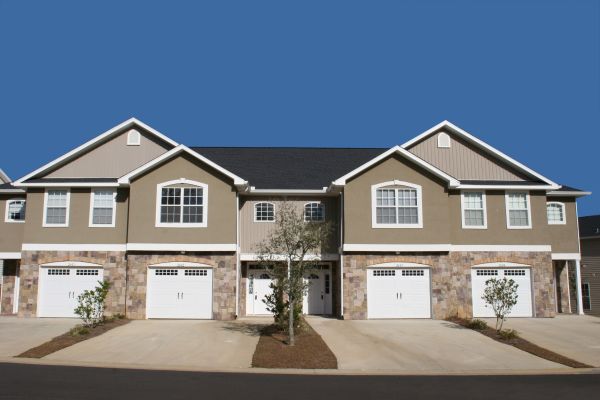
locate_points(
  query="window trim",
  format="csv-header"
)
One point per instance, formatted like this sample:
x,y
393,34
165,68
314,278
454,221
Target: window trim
x,y
262,221
463,209
114,208
419,190
320,203
6,212
506,200
67,212
182,181
564,213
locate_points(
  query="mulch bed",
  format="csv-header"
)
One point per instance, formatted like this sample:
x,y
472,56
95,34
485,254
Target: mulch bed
x,y
309,351
69,339
524,345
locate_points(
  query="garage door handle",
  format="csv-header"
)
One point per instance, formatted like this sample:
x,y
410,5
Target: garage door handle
x,y
177,295
255,297
181,295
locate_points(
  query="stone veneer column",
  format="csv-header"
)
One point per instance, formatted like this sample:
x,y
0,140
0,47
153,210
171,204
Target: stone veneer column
x,y
450,280
8,292
224,280
113,263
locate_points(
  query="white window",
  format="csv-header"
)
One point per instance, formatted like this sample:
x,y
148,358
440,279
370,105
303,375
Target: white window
x,y
474,213
443,140
133,138
556,213
314,212
518,210
103,208
182,204
396,204
15,210
56,207
264,212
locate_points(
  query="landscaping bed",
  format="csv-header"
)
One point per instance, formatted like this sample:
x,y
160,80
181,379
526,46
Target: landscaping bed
x,y
518,342
74,336
309,351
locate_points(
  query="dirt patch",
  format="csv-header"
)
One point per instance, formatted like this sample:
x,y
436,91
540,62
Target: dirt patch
x,y
72,337
523,344
309,352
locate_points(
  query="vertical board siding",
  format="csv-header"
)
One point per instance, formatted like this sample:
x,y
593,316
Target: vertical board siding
x,y
590,273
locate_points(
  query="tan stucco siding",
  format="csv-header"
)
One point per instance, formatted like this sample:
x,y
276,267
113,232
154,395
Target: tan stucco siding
x,y
221,218
564,238
463,160
113,159
11,233
78,230
252,233
357,208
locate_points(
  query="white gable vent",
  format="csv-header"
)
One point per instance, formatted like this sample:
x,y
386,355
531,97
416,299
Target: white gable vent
x,y
133,138
443,140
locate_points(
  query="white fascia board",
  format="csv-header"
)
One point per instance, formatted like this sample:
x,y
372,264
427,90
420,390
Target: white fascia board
x,y
506,187
567,194
126,179
566,256
502,247
480,143
281,257
70,184
10,255
4,177
12,191
72,247
298,192
226,247
70,264
452,182
441,248
67,156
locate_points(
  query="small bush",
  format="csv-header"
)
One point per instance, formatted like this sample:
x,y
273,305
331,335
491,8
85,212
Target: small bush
x,y
90,305
79,331
477,325
508,334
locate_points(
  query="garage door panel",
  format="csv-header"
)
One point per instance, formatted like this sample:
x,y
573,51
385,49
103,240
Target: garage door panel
x,y
398,293
522,276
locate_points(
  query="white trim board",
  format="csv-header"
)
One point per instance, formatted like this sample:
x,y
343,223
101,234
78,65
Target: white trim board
x,y
566,256
3,177
71,184
481,144
179,264
71,154
71,264
8,255
282,257
565,193
354,247
72,247
225,247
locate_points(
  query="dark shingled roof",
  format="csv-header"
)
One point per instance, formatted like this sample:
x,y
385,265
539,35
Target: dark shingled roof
x,y
289,167
9,188
589,226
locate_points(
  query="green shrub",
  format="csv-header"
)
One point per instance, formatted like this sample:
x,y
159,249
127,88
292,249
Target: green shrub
x,y
477,325
90,304
79,331
508,334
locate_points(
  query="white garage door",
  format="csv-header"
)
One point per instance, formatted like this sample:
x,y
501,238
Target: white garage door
x,y
60,286
179,293
398,293
522,276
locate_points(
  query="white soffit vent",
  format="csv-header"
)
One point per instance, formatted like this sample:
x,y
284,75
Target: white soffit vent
x,y
443,140
134,138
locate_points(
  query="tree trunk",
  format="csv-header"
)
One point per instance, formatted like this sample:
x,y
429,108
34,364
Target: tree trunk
x,y
291,338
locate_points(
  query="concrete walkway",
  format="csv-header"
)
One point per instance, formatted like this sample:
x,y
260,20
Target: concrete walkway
x,y
420,345
573,336
20,334
170,344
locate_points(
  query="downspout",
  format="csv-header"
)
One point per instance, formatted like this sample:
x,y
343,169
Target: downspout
x,y
237,255
341,251
578,266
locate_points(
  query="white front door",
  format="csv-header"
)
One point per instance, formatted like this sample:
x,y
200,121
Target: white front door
x,y
257,288
398,293
317,300
59,288
522,276
180,293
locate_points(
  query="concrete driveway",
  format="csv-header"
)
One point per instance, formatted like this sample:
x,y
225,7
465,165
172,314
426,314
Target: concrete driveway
x,y
573,336
207,345
20,334
419,345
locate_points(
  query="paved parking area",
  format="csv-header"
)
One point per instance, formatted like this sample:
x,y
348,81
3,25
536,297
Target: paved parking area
x,y
419,345
20,334
573,336
209,345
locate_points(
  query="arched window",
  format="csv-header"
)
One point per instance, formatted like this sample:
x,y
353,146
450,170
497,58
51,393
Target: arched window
x,y
15,210
181,203
264,212
314,212
133,138
556,213
396,204
443,140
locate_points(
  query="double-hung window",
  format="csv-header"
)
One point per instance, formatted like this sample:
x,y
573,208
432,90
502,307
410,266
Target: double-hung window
x,y
182,203
56,207
396,204
556,213
473,210
314,212
102,208
15,210
518,210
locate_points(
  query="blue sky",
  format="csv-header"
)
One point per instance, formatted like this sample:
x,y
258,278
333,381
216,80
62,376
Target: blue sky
x,y
522,75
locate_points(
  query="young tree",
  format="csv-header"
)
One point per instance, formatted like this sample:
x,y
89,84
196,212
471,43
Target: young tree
x,y
292,247
501,295
90,304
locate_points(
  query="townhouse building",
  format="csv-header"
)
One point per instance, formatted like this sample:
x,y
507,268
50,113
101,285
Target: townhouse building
x,y
419,228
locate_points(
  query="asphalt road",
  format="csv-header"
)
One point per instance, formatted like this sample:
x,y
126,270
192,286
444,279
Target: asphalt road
x,y
20,381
